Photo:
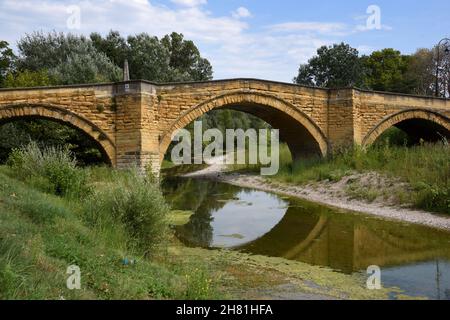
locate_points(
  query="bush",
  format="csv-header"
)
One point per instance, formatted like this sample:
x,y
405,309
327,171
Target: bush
x,y
50,169
135,202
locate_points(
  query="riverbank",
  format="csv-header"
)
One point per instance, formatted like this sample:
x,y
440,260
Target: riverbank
x,y
330,193
42,234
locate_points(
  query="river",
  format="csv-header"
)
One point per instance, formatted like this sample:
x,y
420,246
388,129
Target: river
x,y
414,258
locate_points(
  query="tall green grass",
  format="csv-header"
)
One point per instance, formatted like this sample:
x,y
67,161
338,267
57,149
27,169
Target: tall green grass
x,y
426,168
134,201
51,169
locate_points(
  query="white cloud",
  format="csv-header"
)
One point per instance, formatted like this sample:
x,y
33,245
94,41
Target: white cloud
x,y
189,3
363,28
319,27
273,52
362,24
241,12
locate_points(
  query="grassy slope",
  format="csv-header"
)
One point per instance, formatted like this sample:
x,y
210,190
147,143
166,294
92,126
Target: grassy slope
x,y
41,235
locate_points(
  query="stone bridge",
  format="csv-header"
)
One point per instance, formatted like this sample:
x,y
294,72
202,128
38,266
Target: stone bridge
x,y
133,122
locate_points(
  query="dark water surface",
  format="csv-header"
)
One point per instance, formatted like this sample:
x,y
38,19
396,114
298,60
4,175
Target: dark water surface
x,y
413,258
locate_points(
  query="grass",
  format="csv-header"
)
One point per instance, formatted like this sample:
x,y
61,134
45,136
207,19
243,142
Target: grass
x,y
424,168
285,161
50,169
123,217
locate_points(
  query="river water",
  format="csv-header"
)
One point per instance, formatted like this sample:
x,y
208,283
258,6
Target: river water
x,y
414,258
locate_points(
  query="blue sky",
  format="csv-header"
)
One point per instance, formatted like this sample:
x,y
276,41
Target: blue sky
x,y
242,38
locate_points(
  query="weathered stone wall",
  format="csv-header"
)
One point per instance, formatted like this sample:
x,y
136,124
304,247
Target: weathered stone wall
x,y
375,112
134,121
89,108
178,105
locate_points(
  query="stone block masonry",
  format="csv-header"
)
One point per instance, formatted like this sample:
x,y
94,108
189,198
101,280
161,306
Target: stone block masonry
x,y
133,122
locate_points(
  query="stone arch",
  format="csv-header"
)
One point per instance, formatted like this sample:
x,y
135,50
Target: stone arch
x,y
300,132
429,122
59,114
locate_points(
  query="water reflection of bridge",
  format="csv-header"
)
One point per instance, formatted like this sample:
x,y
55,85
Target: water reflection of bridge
x,y
312,233
349,243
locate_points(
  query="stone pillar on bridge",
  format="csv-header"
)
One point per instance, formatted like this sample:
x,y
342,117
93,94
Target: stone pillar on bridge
x,y
136,129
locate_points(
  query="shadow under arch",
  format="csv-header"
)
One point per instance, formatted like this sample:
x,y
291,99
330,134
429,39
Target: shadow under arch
x,y
417,123
59,114
296,238
298,130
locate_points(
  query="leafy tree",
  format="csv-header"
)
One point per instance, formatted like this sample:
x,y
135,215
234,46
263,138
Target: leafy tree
x,y
421,70
70,59
50,133
334,66
49,59
86,67
148,59
387,71
185,59
7,58
113,45
28,78
170,59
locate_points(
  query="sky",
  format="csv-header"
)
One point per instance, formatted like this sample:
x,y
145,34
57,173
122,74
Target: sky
x,y
263,39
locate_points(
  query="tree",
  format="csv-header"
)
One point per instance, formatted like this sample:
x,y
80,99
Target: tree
x,y
170,59
386,70
7,59
26,78
185,59
47,132
69,59
421,70
86,67
148,59
114,46
51,59
334,66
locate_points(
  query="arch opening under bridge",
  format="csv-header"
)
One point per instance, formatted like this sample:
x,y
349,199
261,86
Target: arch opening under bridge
x,y
104,144
418,124
302,135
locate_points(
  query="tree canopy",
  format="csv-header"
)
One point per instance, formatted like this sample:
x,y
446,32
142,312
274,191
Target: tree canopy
x,y
169,59
7,59
68,59
333,66
385,70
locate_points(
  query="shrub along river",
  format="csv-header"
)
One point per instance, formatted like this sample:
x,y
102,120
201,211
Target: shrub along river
x,y
413,258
